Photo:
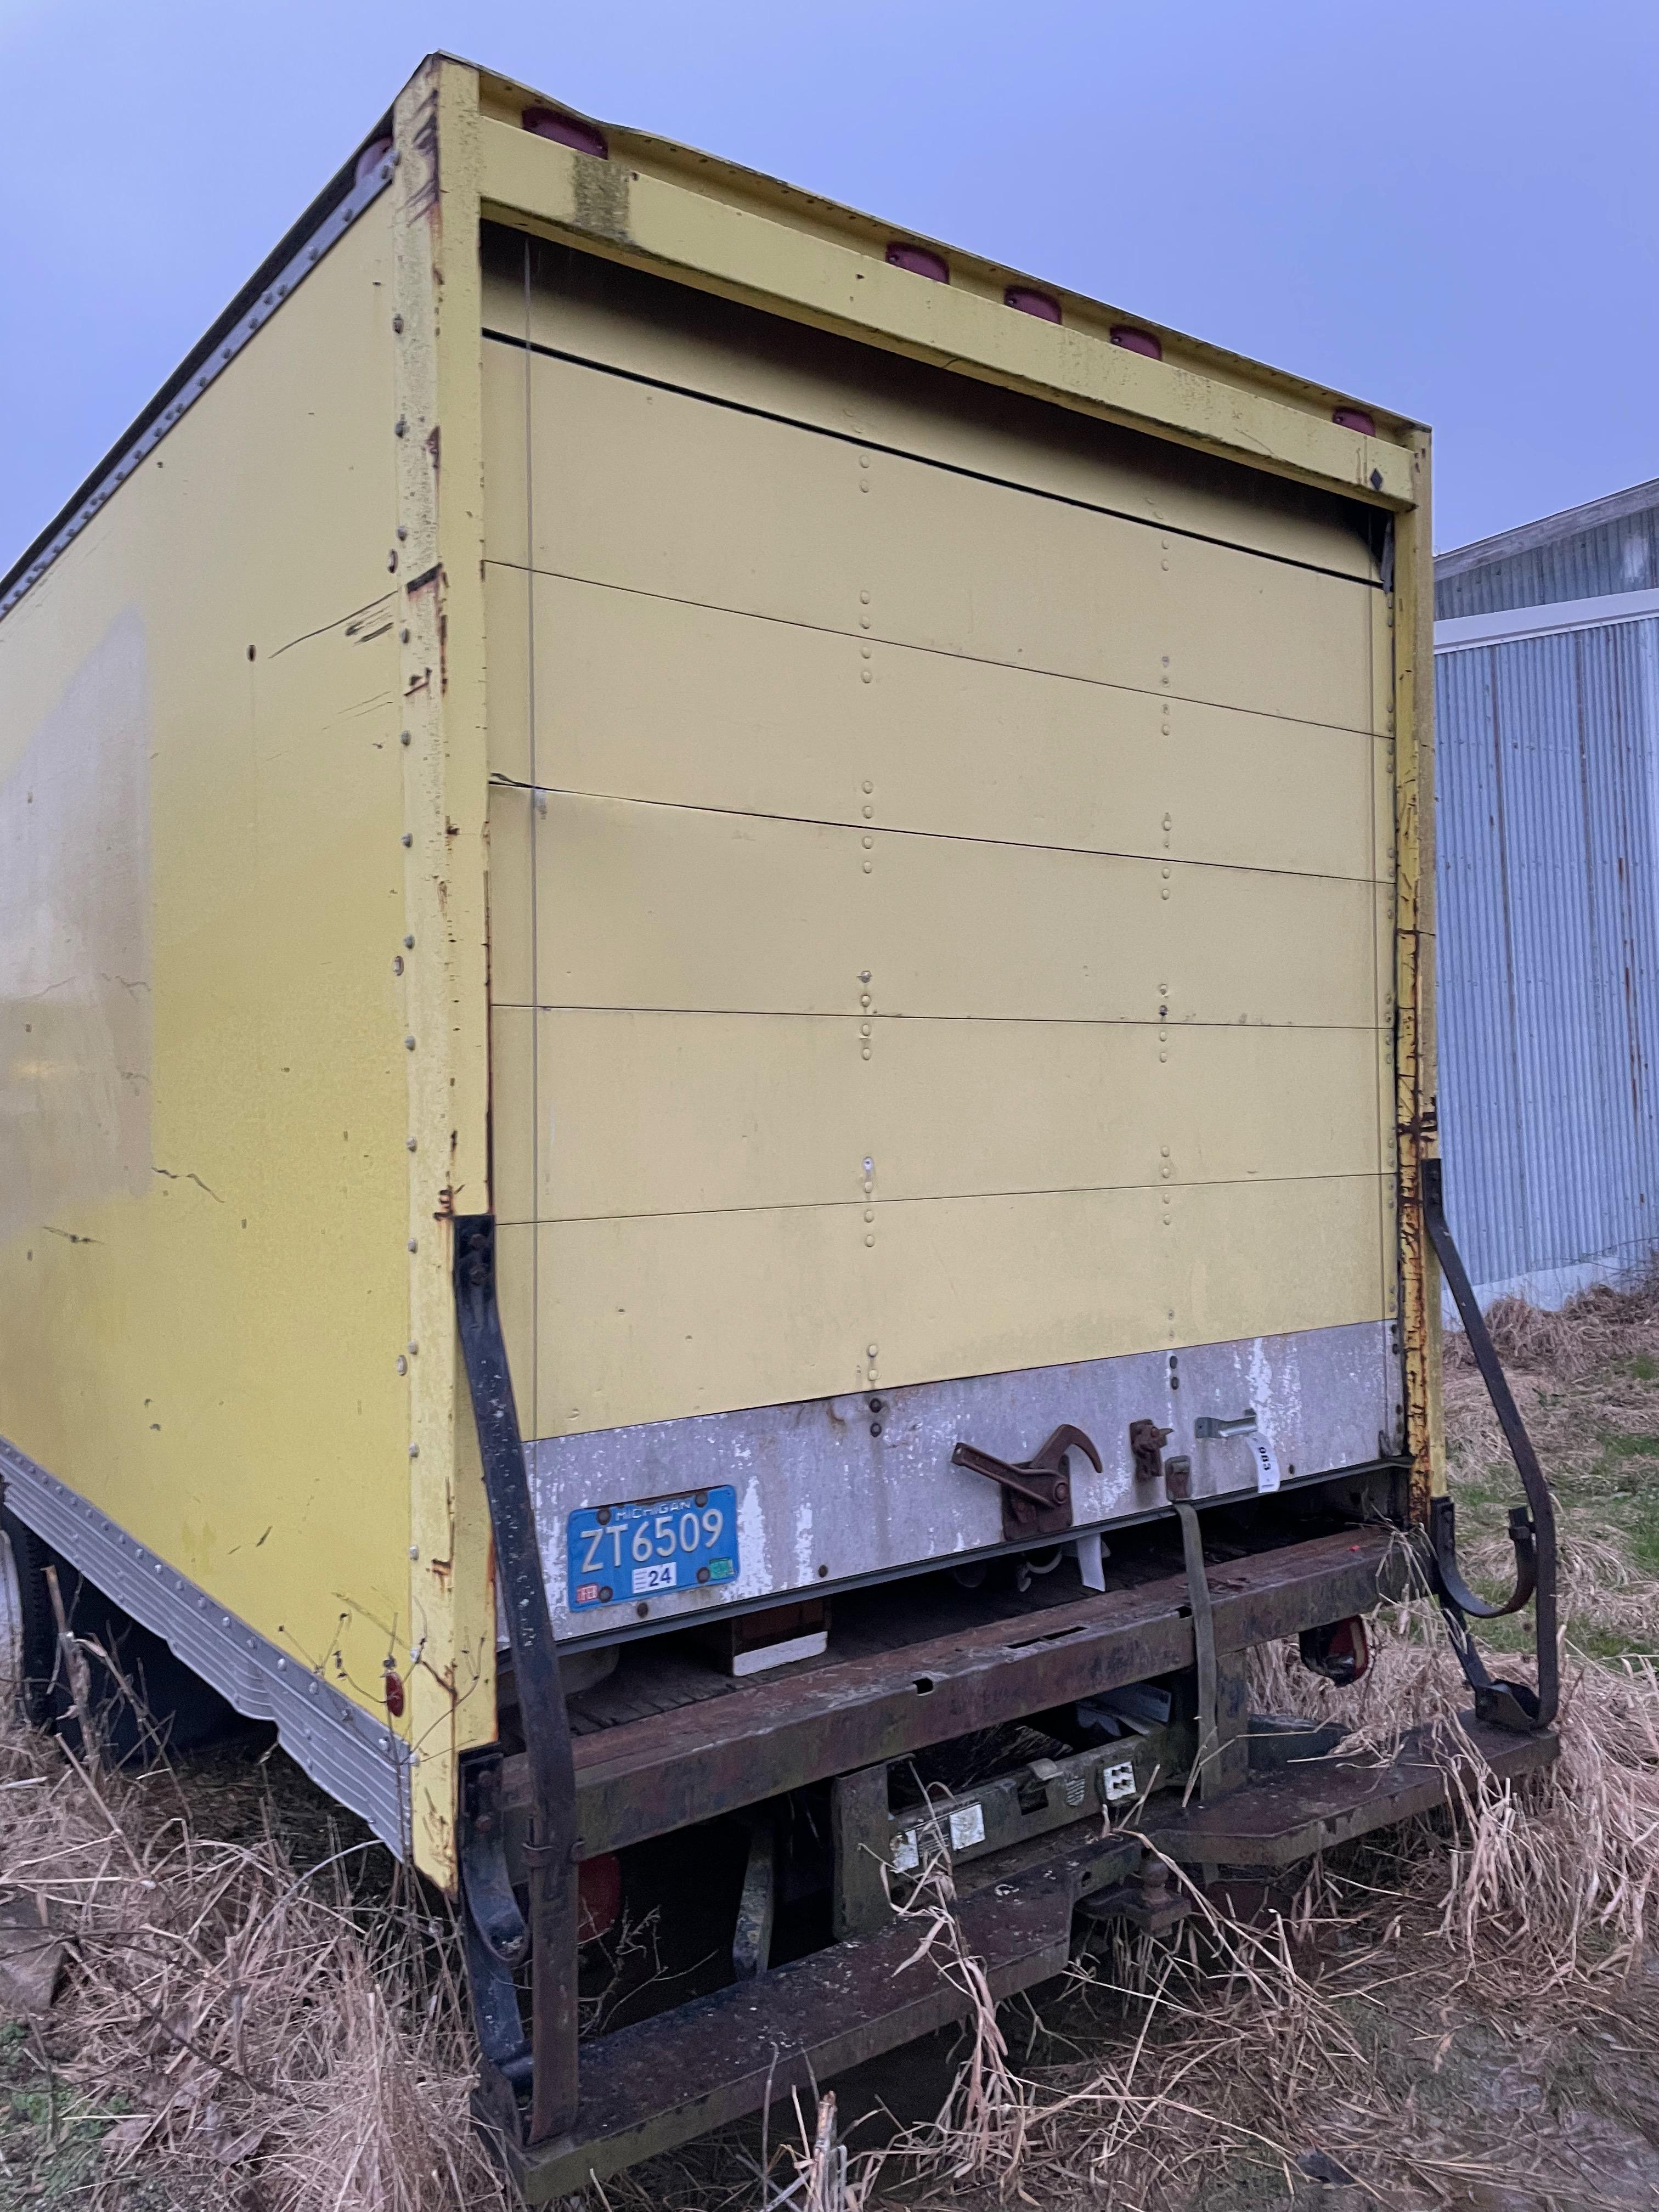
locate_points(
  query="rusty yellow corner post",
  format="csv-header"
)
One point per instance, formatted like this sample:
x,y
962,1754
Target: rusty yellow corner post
x,y
1414,945
436,543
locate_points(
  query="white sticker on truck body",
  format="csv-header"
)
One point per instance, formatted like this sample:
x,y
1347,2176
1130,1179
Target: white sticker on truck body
x,y
966,1826
1267,1462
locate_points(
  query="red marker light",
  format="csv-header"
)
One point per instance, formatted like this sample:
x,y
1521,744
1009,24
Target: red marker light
x,y
394,1693
1135,341
1033,303
599,1894
1356,418
920,260
567,131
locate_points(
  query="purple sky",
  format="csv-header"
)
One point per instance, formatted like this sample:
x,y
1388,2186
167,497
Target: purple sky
x,y
1448,208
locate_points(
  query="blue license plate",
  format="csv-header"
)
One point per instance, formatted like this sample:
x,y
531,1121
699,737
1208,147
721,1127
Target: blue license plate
x,y
645,1550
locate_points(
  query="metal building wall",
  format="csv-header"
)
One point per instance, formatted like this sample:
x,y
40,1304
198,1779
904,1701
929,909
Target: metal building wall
x,y
1547,752
1610,545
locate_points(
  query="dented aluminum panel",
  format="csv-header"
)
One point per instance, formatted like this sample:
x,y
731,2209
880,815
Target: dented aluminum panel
x,y
851,1488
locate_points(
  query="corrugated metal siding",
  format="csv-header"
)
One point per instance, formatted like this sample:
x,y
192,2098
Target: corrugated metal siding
x,y
1547,753
1621,555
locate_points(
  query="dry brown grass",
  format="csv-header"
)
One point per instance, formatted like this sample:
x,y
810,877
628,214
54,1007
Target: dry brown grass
x,y
271,2045
1463,2014
1394,2026
1587,1382
1460,2013
1584,1334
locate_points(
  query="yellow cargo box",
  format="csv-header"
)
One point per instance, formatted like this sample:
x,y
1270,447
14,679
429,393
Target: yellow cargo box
x,y
844,832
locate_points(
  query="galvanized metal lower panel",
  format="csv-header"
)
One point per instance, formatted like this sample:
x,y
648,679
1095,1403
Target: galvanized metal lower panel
x,y
832,1491
344,1749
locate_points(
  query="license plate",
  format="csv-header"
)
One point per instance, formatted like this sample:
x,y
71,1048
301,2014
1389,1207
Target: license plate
x,y
647,1550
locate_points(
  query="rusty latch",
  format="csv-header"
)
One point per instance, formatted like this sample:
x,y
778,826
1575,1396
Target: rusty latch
x,y
1036,1493
1147,1442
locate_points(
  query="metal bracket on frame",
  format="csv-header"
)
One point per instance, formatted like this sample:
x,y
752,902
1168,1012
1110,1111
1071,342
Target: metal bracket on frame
x,y
551,1853
1222,1762
494,1941
1532,1527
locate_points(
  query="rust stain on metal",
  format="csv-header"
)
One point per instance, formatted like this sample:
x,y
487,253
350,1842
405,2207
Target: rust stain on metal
x,y
1416,1121
602,194
432,580
647,1777
424,199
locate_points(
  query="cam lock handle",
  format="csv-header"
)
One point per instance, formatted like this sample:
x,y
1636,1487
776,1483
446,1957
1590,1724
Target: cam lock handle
x,y
1036,1493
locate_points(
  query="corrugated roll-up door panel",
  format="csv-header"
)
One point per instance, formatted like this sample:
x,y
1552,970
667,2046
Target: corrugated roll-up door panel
x,y
645,707
662,494
575,306
687,1116
936,890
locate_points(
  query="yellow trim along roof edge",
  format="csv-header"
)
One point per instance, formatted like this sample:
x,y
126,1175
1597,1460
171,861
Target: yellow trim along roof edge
x,y
738,235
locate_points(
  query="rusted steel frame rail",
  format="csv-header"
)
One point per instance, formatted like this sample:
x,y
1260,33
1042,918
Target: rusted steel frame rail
x,y
1534,1537
651,2086
547,1841
647,1778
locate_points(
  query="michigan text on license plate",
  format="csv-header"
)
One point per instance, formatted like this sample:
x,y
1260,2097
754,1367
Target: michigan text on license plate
x,y
661,1544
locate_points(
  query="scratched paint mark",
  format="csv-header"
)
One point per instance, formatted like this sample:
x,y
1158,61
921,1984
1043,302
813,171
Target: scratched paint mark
x,y
173,1175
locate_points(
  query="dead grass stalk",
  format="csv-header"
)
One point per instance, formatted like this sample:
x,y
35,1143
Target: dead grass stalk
x,y
276,2043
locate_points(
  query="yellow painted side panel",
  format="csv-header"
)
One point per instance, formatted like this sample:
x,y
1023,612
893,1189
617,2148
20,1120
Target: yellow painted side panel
x,y
663,494
644,706
661,1112
904,806
202,1260
673,907
641,1320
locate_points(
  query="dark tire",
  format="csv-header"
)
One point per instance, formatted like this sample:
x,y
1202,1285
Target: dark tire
x,y
169,1708
31,1636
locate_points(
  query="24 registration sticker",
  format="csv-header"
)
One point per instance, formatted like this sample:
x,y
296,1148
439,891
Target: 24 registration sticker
x,y
651,1547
